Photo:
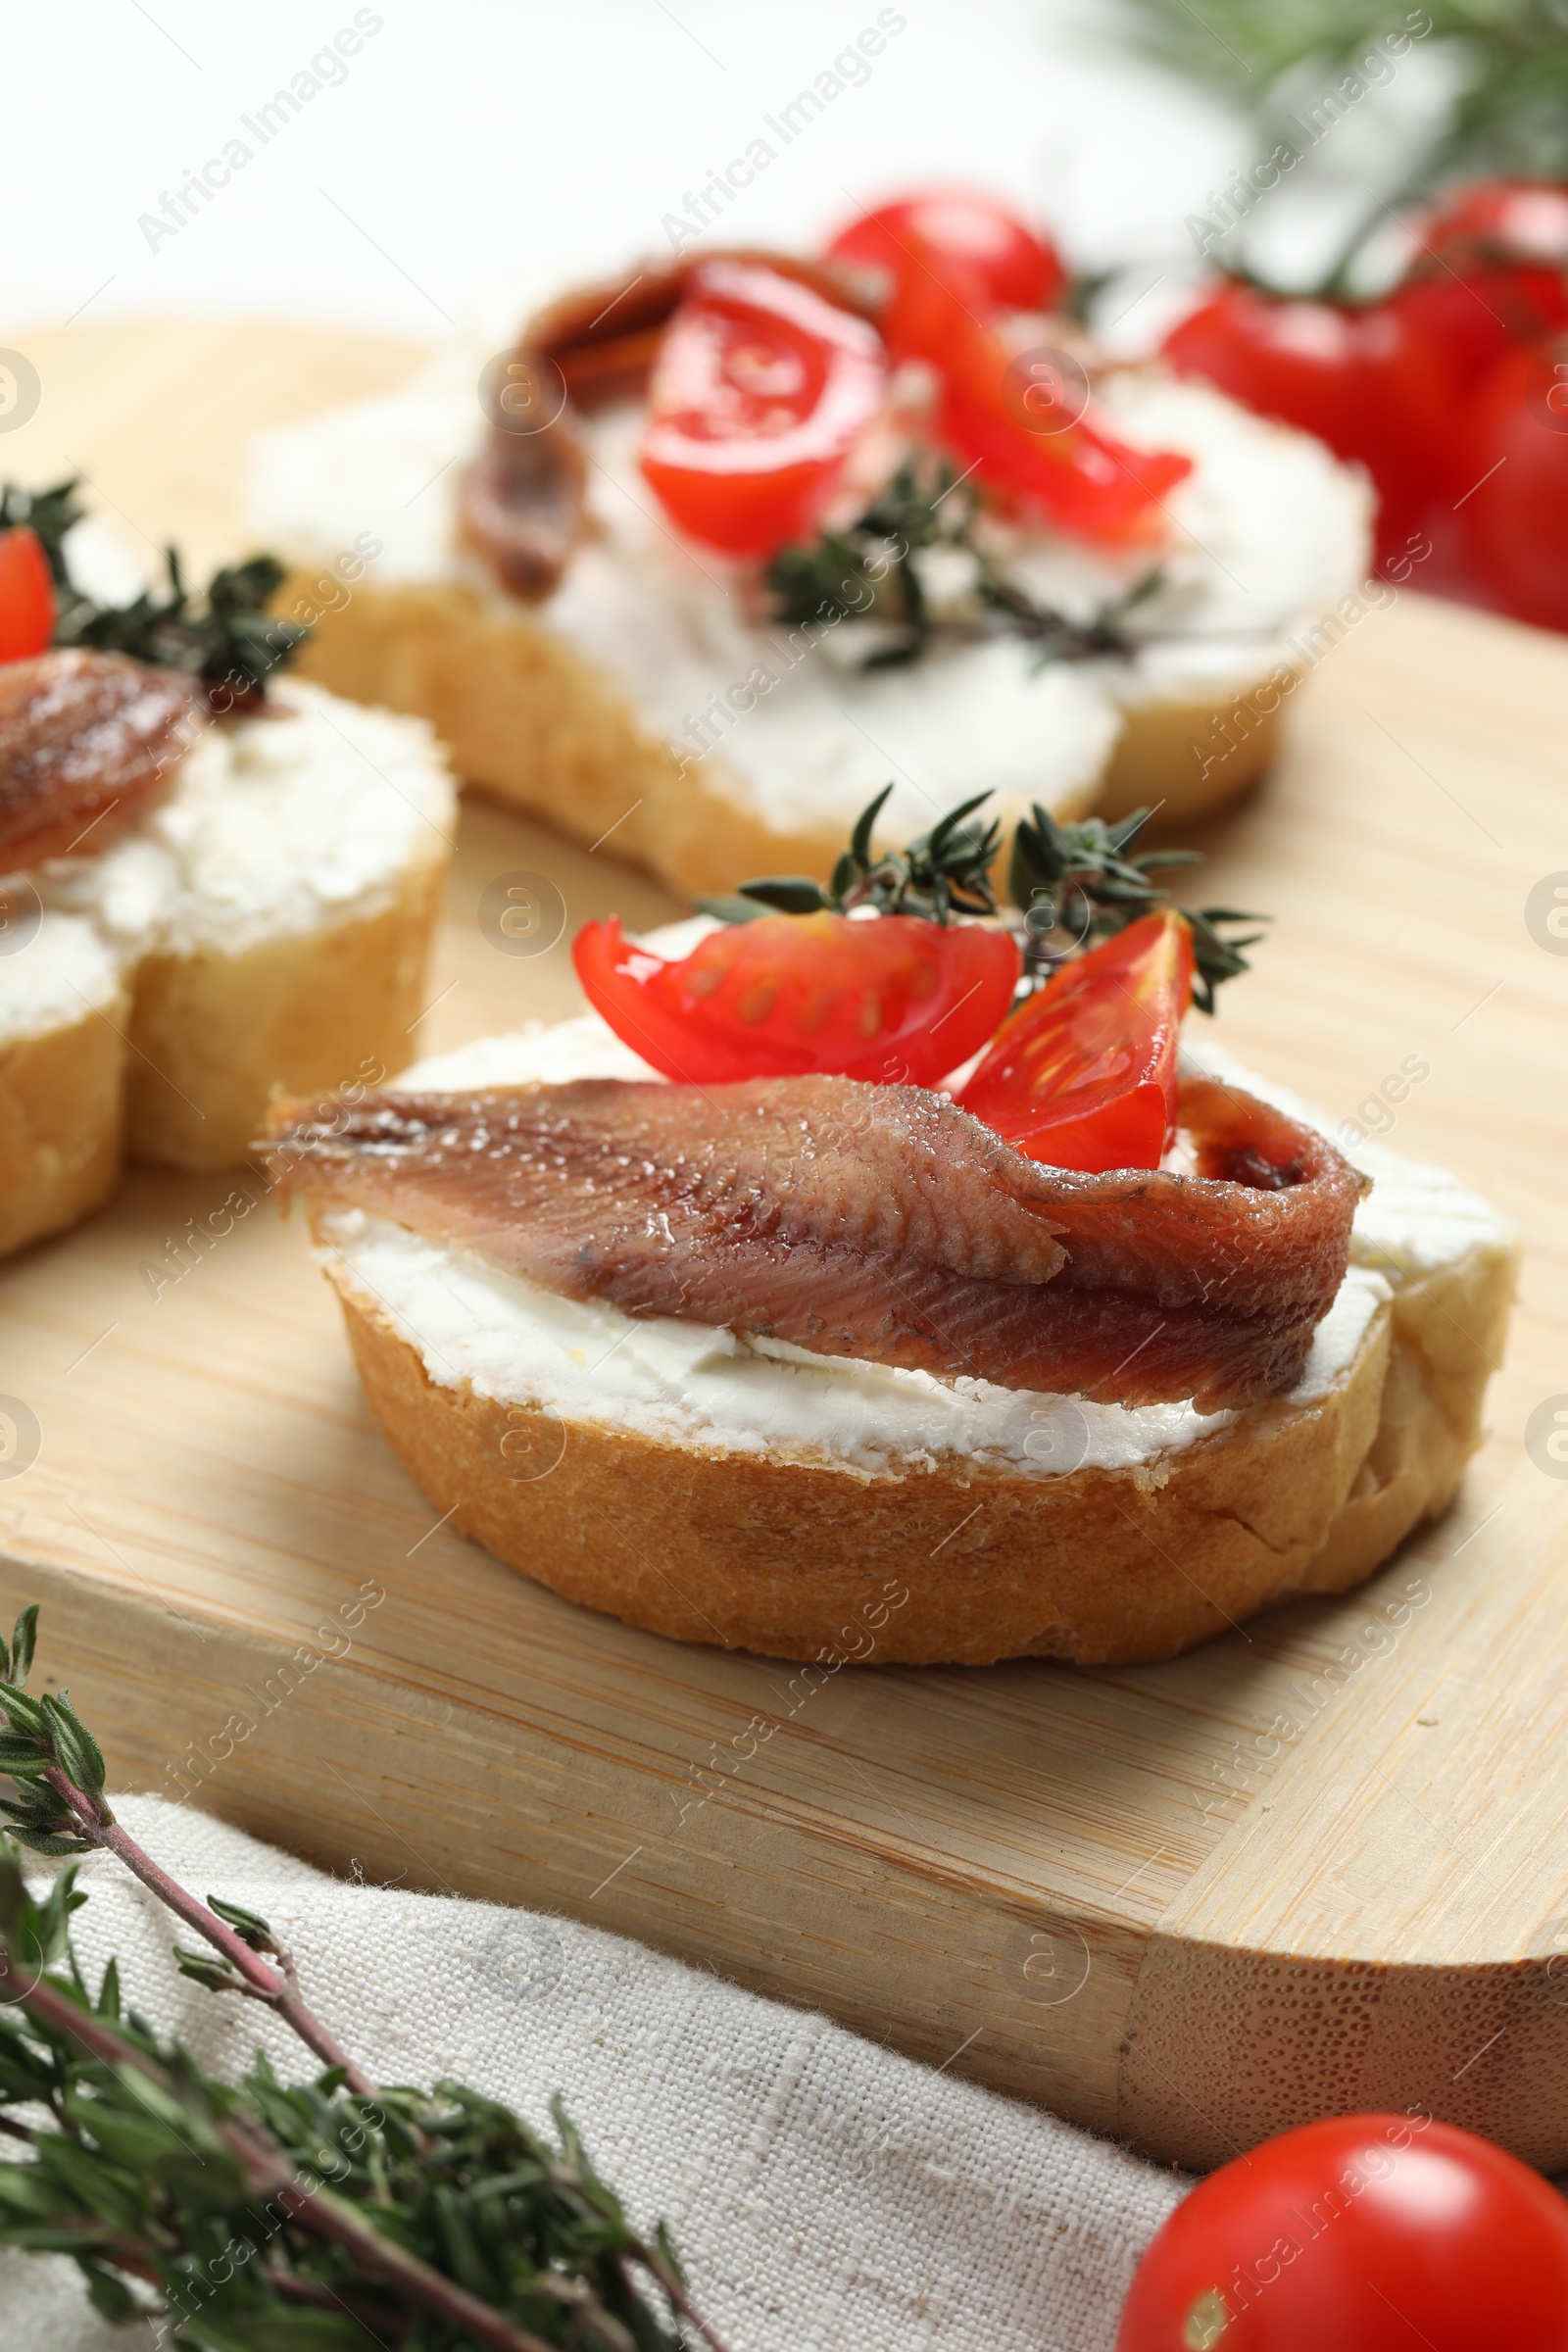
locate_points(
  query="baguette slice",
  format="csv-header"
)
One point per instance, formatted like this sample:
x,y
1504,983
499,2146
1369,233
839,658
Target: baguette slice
x,y
64,1014
267,924
274,913
642,700
748,1494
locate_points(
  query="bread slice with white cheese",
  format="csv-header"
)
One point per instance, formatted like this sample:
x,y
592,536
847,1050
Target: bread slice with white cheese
x,y
63,1013
645,703
266,922
738,1490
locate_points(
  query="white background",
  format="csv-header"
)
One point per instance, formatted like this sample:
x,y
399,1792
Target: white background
x,y
472,145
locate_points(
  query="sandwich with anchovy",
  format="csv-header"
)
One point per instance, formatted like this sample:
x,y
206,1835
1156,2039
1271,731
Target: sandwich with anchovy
x,y
214,881
876,1243
724,541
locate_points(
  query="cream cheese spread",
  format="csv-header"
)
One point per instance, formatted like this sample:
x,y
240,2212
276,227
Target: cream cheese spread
x,y
308,815
1267,530
55,969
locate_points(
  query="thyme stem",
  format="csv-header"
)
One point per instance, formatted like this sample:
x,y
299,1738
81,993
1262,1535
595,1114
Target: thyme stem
x,y
315,2209
97,1826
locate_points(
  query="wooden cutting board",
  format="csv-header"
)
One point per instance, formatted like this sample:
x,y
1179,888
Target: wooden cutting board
x,y
1322,1863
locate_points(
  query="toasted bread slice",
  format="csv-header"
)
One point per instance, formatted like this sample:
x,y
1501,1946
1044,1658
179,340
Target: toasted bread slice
x,y
267,924
64,1014
647,704
720,1490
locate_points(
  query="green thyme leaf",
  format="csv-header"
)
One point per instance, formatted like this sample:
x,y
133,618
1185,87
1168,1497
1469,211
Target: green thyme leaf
x,y
22,1713
946,872
14,1664
870,572
1077,886
248,1926
204,1967
79,1755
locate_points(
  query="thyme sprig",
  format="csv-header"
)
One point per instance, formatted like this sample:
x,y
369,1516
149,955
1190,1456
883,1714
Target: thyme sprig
x,y
226,636
1504,64
1071,886
330,2216
947,872
1077,884
1509,111
868,572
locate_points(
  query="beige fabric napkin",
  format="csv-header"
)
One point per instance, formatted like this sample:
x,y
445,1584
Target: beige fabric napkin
x,y
826,2195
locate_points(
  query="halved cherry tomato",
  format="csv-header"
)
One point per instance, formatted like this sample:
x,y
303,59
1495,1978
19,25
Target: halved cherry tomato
x,y
1083,1074
1363,2234
1515,506
1079,476
27,594
1362,379
895,1000
1018,270
760,389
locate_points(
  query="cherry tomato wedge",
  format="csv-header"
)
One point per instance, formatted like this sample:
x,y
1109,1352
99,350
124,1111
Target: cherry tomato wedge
x,y
895,1000
1361,379
1017,269
26,596
760,389
1057,458
1083,1074
1359,2233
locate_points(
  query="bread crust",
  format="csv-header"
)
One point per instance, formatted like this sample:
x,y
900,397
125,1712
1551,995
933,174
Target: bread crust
x,y
178,1068
527,719
1100,1566
1188,758
62,1116
214,1034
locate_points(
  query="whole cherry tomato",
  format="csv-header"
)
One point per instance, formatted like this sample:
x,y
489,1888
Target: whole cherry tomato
x,y
1361,2233
892,998
760,389
1083,1074
1488,273
1050,454
1493,221
1361,379
27,594
1018,270
1515,513
1470,322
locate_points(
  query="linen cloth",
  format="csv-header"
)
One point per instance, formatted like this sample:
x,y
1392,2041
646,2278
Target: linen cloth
x,y
826,2195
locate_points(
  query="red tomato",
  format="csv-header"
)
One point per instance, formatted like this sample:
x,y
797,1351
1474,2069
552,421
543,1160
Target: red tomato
x,y
1360,380
1080,478
1359,2234
760,389
1018,270
1515,515
1083,1074
1470,323
1523,220
27,594
893,998
1487,274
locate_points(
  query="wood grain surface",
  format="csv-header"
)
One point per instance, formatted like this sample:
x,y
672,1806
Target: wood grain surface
x,y
1323,1862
